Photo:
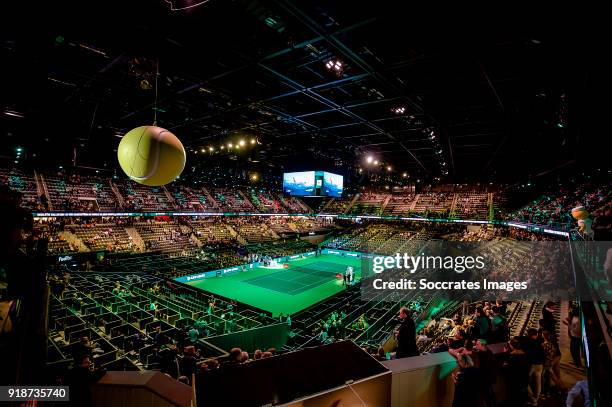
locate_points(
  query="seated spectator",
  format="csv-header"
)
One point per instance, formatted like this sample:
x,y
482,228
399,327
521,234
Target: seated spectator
x,y
458,339
244,357
79,379
381,354
235,356
441,346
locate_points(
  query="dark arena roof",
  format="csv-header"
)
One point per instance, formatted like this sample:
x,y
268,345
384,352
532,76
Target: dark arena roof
x,y
381,205
459,97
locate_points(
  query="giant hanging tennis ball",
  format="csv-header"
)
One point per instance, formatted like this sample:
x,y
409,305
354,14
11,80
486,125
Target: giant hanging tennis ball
x,y
151,155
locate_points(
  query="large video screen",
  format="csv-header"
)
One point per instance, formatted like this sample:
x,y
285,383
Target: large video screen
x,y
333,184
299,183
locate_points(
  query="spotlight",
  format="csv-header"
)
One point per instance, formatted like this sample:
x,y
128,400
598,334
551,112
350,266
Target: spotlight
x,y
254,177
253,141
241,143
369,159
222,147
230,145
405,174
211,148
13,113
237,146
389,168
203,150
375,162
334,65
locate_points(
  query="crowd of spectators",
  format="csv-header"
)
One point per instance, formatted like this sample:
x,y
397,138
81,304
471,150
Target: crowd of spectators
x,y
555,207
529,366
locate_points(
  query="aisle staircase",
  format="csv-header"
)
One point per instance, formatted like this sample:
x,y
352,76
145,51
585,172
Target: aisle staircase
x,y
452,213
235,234
74,240
303,205
385,203
327,204
491,212
195,240
46,190
136,238
117,194
247,200
169,197
272,232
350,205
39,187
210,198
414,203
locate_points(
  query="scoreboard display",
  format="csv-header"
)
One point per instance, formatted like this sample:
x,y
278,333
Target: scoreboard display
x,y
313,183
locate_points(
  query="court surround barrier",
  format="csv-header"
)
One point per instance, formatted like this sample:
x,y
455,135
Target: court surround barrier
x,y
236,269
249,340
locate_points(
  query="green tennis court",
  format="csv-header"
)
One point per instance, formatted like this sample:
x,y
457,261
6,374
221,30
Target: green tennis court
x,y
276,289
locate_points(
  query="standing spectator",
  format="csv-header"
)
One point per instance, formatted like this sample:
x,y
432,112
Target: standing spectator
x,y
406,336
551,350
488,369
536,358
516,368
193,334
468,383
483,324
574,332
548,318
